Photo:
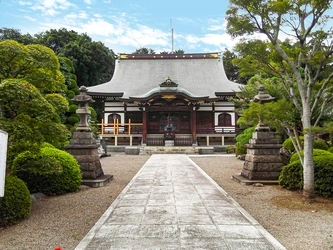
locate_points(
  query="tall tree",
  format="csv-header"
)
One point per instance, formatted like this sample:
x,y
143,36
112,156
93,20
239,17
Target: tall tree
x,y
306,23
93,61
15,34
143,51
231,68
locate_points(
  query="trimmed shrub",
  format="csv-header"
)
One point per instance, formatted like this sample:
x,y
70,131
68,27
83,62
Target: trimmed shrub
x,y
316,152
318,144
243,139
65,175
16,203
291,175
289,145
73,120
330,150
35,163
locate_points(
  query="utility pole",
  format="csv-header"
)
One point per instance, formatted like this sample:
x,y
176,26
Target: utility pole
x,y
172,48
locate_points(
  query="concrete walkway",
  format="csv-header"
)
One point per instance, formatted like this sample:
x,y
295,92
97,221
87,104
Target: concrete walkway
x,y
172,204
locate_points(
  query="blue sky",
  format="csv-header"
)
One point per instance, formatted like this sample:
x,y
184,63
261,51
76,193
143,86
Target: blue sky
x,y
126,25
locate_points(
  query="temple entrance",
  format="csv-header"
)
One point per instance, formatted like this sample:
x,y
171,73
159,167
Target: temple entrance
x,y
175,122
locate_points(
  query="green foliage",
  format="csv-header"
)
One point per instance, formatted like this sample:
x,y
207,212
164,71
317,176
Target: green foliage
x,y
243,139
16,203
230,149
59,102
318,144
34,63
291,175
144,51
316,152
73,120
73,108
330,150
289,145
15,34
54,182
36,164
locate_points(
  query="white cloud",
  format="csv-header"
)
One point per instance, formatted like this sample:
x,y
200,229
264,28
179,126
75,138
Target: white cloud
x,y
88,1
100,27
30,18
52,7
24,3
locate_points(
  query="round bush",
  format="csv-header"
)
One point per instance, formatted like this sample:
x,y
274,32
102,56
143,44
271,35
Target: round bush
x,y
16,203
289,145
316,152
291,175
330,150
318,144
73,120
243,139
63,173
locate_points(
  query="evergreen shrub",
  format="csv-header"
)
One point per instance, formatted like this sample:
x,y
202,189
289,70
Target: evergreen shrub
x,y
316,152
54,171
318,144
243,139
289,145
16,203
291,175
330,150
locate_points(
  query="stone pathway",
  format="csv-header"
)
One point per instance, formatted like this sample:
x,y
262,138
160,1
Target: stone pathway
x,y
172,204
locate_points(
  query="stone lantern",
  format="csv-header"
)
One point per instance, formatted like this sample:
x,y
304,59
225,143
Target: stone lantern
x,y
83,145
262,98
83,100
263,162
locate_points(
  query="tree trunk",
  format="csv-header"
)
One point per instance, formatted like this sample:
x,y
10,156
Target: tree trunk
x,y
308,169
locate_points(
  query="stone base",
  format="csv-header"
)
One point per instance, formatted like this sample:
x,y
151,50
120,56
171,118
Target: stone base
x,y
205,150
169,143
244,181
132,150
85,150
98,182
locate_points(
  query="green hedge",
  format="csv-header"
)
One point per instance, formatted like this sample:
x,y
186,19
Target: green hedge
x,y
316,152
53,172
291,175
330,150
16,203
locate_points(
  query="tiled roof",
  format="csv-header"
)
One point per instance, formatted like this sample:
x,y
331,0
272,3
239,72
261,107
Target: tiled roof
x,y
197,74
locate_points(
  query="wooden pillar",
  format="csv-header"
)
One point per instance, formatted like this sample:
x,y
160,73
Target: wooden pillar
x,y
194,125
213,111
236,118
144,126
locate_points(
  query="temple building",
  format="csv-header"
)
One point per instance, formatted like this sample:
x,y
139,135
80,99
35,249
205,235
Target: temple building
x,y
158,98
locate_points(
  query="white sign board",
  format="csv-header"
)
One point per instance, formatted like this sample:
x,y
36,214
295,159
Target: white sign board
x,y
3,156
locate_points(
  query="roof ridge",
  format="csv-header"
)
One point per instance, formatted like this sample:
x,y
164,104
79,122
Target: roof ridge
x,y
213,55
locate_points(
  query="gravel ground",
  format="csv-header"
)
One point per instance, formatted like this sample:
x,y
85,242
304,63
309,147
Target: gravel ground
x,y
62,221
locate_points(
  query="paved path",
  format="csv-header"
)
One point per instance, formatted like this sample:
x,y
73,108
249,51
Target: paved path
x,y
172,204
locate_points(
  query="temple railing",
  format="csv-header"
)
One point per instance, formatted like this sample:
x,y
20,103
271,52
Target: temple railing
x,y
119,128
136,128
